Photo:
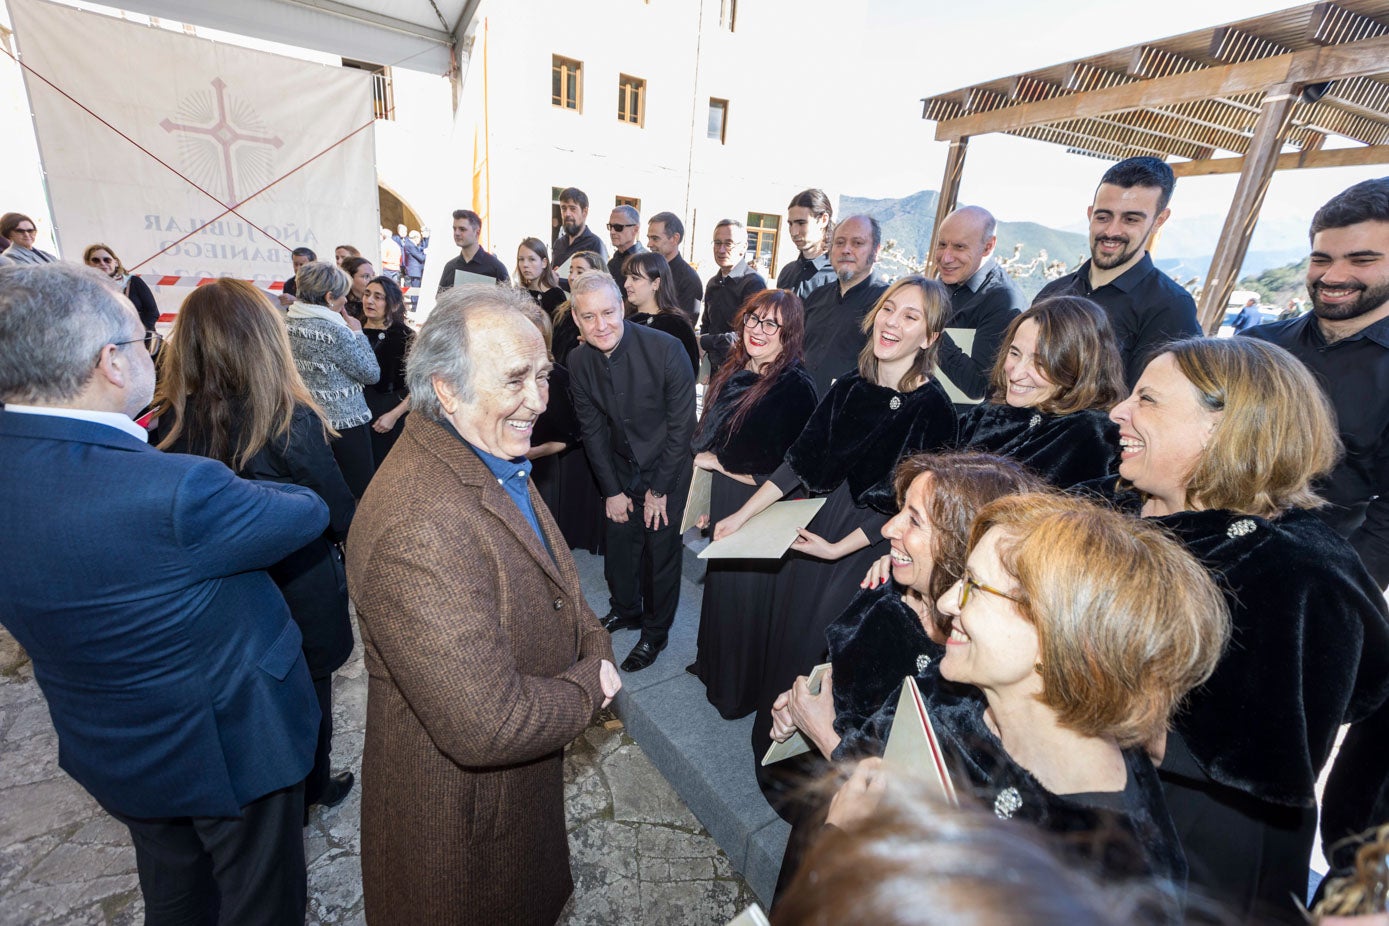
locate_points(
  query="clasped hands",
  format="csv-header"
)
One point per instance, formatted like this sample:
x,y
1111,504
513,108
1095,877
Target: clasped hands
x,y
619,507
798,709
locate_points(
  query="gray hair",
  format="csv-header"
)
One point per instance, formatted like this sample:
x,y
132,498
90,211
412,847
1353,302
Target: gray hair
x,y
628,213
726,223
441,348
592,283
316,279
54,321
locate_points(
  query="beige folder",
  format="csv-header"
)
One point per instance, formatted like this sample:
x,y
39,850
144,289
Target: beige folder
x,y
913,748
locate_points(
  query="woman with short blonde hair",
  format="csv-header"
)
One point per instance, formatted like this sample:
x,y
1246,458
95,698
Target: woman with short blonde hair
x,y
1221,441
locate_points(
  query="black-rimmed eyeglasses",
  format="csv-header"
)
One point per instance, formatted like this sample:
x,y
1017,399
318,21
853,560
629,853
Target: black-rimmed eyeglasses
x,y
769,325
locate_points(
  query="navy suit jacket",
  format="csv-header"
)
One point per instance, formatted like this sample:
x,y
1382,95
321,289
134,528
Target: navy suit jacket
x,y
135,579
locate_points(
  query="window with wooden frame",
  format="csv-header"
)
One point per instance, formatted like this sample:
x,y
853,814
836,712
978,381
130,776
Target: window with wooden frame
x,y
631,100
763,228
718,119
567,83
632,201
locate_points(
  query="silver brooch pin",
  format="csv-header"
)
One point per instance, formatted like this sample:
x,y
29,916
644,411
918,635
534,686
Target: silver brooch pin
x,y
1007,803
922,661
896,403
1036,420
1240,528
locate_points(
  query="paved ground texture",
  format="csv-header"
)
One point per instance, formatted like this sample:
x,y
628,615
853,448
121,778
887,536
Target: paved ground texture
x,y
638,855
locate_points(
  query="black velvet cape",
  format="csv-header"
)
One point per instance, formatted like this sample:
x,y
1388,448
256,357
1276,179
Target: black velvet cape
x,y
769,428
1309,650
1062,449
1125,835
860,431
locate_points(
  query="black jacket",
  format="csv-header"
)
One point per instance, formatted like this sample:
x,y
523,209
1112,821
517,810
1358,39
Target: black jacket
x,y
1062,449
762,438
312,578
1309,650
986,304
636,413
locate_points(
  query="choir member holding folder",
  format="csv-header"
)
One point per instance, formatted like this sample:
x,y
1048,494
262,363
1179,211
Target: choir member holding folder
x,y
1074,634
756,405
1051,390
892,406
1222,439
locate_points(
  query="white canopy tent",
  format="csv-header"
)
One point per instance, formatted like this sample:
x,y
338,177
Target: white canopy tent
x,y
433,36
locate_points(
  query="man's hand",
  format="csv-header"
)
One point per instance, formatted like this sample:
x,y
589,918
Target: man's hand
x,y
610,681
858,798
654,511
618,508
286,300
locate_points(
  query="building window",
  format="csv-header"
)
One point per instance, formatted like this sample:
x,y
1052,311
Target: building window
x,y
632,201
382,88
762,238
718,120
567,83
631,100
555,218
728,12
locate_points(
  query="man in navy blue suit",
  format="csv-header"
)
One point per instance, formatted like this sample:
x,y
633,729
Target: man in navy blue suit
x,y
135,579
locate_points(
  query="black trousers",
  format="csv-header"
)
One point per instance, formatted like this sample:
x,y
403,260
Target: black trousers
x,y
322,757
352,450
200,871
643,570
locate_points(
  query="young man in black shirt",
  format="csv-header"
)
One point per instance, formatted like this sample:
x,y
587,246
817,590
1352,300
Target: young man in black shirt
x,y
1145,306
810,220
467,225
664,232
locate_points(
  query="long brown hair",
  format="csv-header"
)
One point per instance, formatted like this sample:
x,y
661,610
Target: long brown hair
x,y
936,307
227,378
1076,350
548,278
651,266
792,350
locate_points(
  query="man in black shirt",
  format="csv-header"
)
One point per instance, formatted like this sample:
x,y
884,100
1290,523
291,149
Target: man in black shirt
x,y
574,235
834,314
983,298
471,257
664,232
1145,306
727,290
1344,341
810,219
298,257
633,393
624,228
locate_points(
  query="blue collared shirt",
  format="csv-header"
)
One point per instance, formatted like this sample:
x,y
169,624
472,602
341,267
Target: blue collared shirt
x,y
514,477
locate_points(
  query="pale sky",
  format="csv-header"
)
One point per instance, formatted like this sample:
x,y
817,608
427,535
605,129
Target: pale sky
x,y
920,49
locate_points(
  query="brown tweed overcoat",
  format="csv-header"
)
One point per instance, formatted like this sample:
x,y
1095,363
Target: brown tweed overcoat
x,y
483,660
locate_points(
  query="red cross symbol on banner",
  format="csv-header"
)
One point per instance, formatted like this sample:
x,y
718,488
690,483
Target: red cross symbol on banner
x,y
225,135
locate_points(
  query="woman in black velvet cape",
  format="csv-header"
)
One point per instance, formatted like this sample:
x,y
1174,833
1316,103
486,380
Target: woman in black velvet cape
x,y
757,404
1074,633
890,408
1052,386
383,308
1222,439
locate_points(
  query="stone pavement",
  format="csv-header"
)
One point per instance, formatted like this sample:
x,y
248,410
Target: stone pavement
x,y
637,854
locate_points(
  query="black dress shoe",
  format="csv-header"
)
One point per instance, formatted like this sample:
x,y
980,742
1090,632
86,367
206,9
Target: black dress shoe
x,y
336,790
641,656
614,621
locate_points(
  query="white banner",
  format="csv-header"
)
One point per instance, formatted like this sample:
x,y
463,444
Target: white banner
x,y
254,161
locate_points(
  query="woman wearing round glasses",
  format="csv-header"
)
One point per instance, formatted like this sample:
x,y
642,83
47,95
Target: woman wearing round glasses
x,y
21,232
755,407
650,289
891,406
104,259
1074,634
1052,387
1221,440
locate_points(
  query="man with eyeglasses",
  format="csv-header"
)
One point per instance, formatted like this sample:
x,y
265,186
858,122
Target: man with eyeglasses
x,y
173,674
624,230
21,233
726,291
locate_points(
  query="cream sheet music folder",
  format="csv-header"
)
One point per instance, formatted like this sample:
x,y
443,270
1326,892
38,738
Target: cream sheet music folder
x,y
465,278
912,746
697,504
769,534
797,743
752,916
964,340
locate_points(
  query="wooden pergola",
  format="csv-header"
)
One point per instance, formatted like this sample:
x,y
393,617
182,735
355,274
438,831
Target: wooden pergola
x,y
1250,97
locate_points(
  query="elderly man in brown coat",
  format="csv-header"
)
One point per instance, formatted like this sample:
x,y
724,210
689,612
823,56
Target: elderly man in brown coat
x,y
484,659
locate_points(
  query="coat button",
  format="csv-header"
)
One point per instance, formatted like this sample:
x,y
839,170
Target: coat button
x,y
559,603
